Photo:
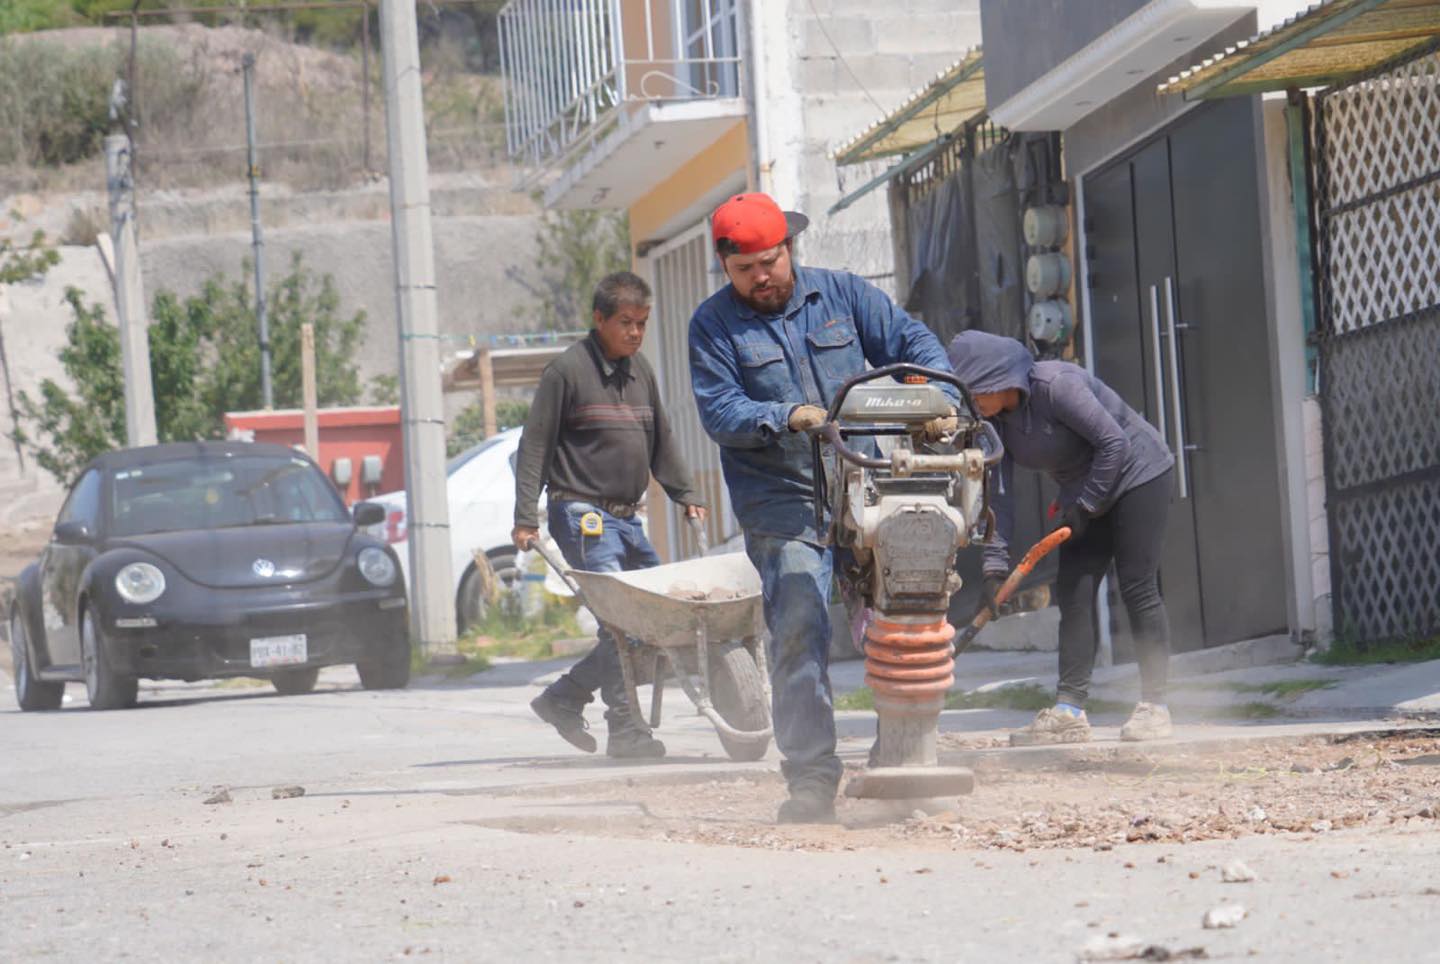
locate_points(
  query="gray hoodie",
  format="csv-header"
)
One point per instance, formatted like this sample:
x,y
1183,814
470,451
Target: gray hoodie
x,y
1069,425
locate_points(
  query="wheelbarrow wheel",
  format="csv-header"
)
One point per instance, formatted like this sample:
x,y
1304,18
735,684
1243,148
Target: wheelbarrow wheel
x,y
738,693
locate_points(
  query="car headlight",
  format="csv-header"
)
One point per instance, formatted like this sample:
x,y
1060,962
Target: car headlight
x,y
376,566
140,582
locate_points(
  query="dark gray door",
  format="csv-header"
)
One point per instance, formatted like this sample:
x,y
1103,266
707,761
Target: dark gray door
x,y
1232,453
61,566
1132,251
1178,321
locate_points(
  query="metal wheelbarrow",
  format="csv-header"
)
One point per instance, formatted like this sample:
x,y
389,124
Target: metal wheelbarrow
x,y
700,621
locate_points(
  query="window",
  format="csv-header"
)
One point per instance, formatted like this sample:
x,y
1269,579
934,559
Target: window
x,y
220,493
708,39
84,502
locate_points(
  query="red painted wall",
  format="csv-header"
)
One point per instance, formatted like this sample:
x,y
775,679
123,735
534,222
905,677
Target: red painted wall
x,y
351,433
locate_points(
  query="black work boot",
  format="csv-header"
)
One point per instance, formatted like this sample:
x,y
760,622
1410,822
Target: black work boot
x,y
808,803
567,719
633,743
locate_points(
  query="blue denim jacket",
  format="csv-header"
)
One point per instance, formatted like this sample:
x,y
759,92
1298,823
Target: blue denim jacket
x,y
749,371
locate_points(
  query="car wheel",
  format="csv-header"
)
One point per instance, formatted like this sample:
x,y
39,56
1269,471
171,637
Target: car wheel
x,y
108,689
391,671
474,602
295,682
30,693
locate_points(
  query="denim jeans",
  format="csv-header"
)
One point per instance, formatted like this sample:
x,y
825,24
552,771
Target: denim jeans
x,y
1131,534
621,545
795,577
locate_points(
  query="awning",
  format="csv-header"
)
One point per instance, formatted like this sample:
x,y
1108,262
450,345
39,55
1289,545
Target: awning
x,y
506,366
954,98
1332,42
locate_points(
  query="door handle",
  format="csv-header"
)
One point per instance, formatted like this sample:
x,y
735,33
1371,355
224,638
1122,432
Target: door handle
x,y
1161,420
1176,398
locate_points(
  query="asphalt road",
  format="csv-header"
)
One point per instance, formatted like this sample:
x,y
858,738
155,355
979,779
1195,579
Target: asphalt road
x,y
108,851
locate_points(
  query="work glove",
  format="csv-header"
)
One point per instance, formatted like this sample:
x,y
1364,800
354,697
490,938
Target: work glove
x,y
1076,518
988,591
940,428
806,417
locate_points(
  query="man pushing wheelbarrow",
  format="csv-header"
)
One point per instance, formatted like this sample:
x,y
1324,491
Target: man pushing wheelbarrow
x,y
595,434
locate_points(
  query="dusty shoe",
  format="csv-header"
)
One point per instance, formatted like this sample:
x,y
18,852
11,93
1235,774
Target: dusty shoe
x,y
807,805
1149,721
567,719
1053,725
633,745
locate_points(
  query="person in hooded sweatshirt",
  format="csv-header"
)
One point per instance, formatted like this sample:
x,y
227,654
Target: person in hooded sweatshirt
x,y
1116,479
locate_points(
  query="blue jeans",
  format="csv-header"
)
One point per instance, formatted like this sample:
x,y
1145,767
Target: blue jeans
x,y
621,545
795,576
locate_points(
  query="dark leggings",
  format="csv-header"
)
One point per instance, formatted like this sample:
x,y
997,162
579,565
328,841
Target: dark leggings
x,y
1130,534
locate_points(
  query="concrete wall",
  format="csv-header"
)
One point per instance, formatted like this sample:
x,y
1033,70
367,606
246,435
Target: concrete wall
x,y
832,68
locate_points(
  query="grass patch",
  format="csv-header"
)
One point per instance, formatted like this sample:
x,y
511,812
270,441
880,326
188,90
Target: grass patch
x,y
861,699
1285,688
1254,710
506,632
1344,652
240,683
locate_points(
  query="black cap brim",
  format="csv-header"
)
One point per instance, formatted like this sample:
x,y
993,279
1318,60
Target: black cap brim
x,y
795,222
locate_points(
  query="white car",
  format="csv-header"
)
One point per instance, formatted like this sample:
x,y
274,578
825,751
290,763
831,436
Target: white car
x,y
480,488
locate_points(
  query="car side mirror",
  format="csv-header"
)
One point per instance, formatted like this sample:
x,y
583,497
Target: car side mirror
x,y
368,514
73,533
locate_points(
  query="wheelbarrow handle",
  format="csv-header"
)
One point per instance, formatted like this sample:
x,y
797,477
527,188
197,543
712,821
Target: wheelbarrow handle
x,y
1012,582
559,566
702,537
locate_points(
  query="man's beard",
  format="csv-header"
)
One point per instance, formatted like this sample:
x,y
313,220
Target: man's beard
x,y
772,300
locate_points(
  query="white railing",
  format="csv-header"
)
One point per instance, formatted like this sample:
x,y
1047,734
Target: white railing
x,y
571,66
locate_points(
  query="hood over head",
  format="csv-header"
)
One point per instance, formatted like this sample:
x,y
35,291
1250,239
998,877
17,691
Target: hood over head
x,y
989,363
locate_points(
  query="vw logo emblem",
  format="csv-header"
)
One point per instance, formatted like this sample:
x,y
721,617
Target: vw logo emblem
x,y
263,568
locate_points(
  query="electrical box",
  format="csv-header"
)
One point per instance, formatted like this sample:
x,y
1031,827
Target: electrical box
x,y
341,471
371,467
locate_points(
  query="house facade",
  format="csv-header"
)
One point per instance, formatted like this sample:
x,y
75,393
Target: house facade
x,y
663,108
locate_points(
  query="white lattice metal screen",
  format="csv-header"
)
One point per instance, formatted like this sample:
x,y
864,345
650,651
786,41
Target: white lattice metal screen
x,y
1377,146
684,275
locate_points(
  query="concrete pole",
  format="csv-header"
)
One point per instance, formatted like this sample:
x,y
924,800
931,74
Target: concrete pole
x,y
432,590
267,391
129,296
307,390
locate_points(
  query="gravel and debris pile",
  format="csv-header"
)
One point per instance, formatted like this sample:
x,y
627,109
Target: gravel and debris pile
x,y
1096,797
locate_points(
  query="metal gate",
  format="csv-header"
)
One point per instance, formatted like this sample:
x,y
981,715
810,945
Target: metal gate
x,y
1377,150
683,274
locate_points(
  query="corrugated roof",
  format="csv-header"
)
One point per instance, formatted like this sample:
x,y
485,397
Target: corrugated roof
x,y
1329,43
954,97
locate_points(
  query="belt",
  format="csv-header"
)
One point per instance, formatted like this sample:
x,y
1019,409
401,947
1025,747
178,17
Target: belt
x,y
620,510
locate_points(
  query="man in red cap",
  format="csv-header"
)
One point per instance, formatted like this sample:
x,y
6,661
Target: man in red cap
x,y
767,354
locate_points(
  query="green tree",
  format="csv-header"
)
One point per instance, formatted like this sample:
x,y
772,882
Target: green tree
x,y
204,362
469,426
576,250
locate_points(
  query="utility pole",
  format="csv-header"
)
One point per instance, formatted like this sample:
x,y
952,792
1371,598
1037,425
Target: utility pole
x,y
267,392
129,296
307,390
432,596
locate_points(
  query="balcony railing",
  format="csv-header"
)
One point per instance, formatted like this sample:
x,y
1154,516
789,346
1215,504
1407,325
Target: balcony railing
x,y
573,66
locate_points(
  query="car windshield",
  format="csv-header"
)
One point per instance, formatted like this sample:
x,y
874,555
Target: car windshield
x,y
459,461
220,493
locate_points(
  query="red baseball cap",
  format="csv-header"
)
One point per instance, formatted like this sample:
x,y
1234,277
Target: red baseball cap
x,y
751,223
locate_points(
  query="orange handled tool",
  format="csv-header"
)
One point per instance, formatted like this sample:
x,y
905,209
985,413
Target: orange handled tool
x,y
1012,582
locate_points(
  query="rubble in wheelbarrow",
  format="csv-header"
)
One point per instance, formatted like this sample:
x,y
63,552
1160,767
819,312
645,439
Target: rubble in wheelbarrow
x,y
690,592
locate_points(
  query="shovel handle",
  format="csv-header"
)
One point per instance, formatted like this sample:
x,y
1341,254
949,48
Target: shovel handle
x,y
1012,582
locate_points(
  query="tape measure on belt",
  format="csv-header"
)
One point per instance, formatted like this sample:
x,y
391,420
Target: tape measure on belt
x,y
591,524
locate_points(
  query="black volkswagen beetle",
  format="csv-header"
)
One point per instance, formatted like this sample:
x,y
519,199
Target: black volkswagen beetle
x,y
199,560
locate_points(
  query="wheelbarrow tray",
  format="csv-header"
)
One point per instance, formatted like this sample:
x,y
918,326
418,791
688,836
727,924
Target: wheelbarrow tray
x,y
639,604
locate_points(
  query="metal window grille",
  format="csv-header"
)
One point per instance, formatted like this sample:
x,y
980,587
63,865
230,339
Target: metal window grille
x,y
1377,150
685,274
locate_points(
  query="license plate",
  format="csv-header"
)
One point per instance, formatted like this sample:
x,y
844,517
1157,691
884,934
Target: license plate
x,y
278,650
